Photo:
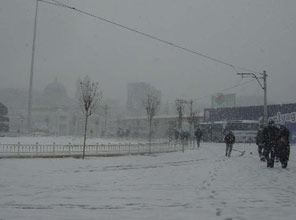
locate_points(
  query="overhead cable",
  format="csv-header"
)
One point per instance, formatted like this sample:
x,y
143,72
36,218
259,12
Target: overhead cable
x,y
59,4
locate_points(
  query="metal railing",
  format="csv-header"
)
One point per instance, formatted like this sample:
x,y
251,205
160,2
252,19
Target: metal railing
x,y
75,150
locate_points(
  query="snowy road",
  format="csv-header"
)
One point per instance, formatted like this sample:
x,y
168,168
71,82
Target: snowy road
x,y
197,184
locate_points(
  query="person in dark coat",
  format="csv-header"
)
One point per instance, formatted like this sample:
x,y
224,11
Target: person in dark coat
x,y
229,141
260,143
176,134
270,140
184,135
283,149
198,135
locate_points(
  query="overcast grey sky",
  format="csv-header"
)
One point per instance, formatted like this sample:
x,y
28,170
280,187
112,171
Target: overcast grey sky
x,y
255,34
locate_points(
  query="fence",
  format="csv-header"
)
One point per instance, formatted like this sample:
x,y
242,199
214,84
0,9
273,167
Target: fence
x,y
75,150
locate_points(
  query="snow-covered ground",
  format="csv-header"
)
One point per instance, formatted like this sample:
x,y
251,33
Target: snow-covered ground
x,y
196,184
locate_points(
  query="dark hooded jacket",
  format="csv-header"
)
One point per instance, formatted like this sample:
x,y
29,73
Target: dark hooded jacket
x,y
284,133
259,137
229,138
270,135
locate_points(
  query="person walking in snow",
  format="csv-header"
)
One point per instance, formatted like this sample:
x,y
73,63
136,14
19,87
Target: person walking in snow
x,y
260,143
184,135
283,150
176,134
229,141
198,135
270,140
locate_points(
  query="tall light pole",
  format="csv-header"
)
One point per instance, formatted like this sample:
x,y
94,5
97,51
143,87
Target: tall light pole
x,y
264,87
106,113
32,71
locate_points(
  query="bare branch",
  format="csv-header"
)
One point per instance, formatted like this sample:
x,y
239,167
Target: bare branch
x,y
89,98
180,112
151,104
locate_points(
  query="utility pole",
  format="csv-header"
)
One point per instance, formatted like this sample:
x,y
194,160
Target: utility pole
x,y
265,115
105,125
180,112
191,117
264,87
32,71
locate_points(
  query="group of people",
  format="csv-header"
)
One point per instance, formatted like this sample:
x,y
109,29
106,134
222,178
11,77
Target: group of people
x,y
179,134
273,144
229,140
184,136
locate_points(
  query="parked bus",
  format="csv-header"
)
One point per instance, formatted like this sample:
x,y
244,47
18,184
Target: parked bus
x,y
244,130
212,131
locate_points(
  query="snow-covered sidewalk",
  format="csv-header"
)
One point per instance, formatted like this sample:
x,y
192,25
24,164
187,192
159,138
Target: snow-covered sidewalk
x,y
197,184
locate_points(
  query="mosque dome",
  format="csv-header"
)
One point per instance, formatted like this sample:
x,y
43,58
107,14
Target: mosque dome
x,y
55,93
55,89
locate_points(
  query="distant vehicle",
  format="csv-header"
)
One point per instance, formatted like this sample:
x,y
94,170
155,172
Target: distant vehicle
x,y
245,131
212,131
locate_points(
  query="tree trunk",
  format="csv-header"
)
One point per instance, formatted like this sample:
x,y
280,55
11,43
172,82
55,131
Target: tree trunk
x,y
150,134
84,139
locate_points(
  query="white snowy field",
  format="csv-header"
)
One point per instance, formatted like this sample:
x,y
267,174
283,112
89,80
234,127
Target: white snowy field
x,y
196,184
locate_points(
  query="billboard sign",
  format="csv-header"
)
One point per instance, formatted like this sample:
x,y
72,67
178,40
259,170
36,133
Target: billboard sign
x,y
221,100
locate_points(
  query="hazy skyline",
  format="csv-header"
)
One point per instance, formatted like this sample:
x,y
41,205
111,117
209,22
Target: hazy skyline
x,y
258,35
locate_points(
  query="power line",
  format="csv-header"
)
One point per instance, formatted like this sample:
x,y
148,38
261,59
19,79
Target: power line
x,y
238,84
59,4
226,89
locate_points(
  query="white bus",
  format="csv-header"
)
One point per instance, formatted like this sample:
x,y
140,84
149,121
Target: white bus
x,y
244,130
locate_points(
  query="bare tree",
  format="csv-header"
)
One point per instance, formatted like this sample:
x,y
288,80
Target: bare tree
x,y
151,104
180,112
90,96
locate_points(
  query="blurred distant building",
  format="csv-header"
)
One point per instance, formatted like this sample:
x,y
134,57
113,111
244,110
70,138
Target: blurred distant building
x,y
55,113
55,94
136,95
16,102
138,127
53,110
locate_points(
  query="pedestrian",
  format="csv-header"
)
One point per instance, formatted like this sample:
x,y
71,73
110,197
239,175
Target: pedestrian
x,y
176,134
198,135
229,141
270,140
283,150
260,143
184,135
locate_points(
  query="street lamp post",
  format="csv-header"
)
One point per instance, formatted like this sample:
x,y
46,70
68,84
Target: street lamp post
x,y
32,71
264,87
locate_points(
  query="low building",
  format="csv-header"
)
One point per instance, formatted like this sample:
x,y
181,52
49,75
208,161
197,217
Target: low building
x,y
162,126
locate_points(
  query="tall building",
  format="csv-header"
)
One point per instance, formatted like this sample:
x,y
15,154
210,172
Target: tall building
x,y
136,95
